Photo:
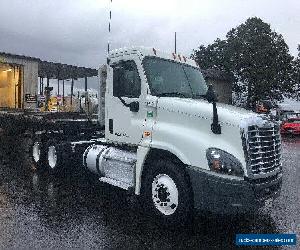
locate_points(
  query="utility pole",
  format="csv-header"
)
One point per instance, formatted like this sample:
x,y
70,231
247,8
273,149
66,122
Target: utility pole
x,y
58,86
72,90
63,94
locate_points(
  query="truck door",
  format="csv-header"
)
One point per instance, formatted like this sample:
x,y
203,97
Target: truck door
x,y
125,104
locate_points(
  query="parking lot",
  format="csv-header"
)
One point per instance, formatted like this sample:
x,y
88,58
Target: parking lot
x,y
73,211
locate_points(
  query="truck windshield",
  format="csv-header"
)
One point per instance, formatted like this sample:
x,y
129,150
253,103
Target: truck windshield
x,y
167,78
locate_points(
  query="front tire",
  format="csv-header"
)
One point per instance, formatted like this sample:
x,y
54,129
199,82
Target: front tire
x,y
167,194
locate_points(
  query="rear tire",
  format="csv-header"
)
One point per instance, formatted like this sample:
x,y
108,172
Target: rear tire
x,y
58,155
38,152
167,194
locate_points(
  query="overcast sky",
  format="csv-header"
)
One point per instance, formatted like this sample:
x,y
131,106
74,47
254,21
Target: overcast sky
x,y
75,31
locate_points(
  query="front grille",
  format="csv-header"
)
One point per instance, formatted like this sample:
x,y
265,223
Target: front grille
x,y
263,149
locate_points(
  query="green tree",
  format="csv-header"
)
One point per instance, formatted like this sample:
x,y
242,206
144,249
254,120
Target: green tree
x,y
258,58
213,56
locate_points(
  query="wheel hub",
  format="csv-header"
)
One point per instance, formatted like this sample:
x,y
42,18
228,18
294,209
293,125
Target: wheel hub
x,y
164,194
52,157
36,151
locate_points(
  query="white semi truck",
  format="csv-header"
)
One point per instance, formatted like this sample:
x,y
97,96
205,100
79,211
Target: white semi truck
x,y
166,140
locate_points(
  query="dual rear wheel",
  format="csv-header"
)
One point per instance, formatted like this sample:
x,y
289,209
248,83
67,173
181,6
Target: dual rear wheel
x,y
48,155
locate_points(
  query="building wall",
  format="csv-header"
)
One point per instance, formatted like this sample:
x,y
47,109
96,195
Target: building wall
x,y
30,76
3,89
223,89
8,90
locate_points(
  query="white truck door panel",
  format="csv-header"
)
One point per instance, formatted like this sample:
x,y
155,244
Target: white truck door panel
x,y
126,81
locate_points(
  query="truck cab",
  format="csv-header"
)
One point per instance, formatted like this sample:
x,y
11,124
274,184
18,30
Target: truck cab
x,y
167,141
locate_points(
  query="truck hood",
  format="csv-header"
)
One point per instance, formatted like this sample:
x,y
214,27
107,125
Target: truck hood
x,y
183,127
228,114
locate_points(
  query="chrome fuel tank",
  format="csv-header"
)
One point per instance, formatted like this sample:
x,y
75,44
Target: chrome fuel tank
x,y
111,162
93,157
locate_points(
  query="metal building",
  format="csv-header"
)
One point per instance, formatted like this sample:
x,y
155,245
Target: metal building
x,y
222,83
20,77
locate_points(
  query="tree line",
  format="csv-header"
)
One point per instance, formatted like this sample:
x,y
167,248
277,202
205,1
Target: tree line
x,y
258,60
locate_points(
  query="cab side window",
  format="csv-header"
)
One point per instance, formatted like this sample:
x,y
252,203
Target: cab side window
x,y
126,80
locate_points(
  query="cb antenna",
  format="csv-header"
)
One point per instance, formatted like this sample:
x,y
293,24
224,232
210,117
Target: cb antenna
x,y
175,41
109,27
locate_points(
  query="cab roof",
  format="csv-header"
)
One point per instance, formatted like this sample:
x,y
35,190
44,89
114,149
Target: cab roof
x,y
146,51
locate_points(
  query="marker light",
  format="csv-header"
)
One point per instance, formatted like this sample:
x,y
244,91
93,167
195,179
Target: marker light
x,y
147,133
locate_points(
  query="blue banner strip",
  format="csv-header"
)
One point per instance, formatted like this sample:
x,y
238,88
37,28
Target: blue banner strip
x,y
266,239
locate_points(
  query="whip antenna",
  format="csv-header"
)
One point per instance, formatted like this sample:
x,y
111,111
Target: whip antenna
x,y
175,45
109,27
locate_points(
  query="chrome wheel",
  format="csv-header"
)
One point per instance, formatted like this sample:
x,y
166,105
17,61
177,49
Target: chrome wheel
x,y
36,151
165,194
52,157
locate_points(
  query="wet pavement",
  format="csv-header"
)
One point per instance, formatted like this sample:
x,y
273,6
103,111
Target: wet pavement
x,y
75,211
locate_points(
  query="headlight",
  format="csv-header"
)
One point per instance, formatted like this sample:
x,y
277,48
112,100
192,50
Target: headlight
x,y
224,163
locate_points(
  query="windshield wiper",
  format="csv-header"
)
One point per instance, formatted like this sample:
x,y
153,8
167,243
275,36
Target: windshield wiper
x,y
176,94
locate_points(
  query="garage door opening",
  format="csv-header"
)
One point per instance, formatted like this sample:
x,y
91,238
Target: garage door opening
x,y
11,86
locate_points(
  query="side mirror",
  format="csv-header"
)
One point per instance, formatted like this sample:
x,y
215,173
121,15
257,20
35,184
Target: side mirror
x,y
134,107
211,95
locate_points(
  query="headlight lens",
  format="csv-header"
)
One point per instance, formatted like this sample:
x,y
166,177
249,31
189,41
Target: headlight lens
x,y
224,163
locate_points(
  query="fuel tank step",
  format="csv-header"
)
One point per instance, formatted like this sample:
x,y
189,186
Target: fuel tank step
x,y
116,183
113,165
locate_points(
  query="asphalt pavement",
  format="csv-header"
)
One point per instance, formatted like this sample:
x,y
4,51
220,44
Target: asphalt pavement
x,y
74,211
